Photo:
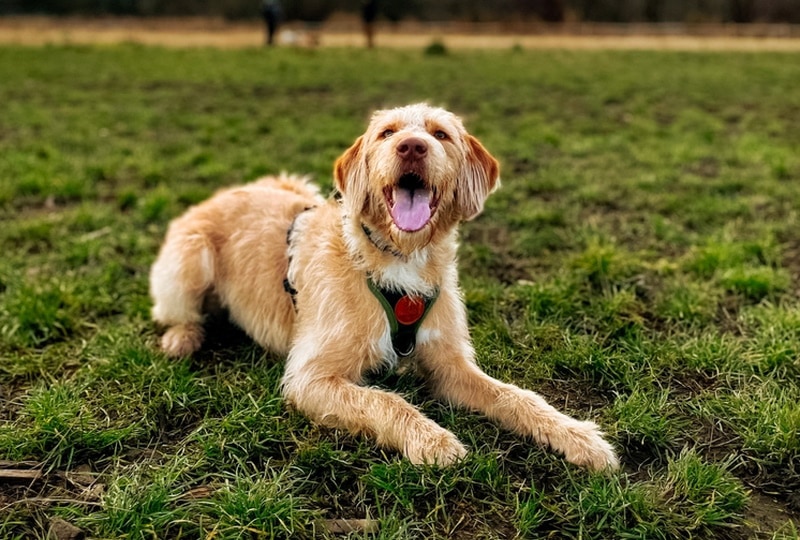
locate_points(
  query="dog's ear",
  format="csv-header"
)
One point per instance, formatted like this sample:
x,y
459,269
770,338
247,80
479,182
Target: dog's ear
x,y
349,170
480,176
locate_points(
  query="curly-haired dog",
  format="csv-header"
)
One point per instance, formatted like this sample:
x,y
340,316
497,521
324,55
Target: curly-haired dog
x,y
346,286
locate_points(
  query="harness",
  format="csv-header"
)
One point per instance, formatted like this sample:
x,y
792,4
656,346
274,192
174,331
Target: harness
x,y
404,312
287,285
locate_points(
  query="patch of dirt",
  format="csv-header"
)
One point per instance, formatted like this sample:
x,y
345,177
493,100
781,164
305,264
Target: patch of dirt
x,y
791,261
470,525
32,498
707,167
63,530
573,397
764,515
502,265
776,481
691,385
727,317
9,392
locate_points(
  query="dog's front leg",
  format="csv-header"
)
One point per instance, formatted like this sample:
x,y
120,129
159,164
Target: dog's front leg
x,y
335,401
454,376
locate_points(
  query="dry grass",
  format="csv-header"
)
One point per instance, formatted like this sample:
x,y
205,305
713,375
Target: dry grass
x,y
206,32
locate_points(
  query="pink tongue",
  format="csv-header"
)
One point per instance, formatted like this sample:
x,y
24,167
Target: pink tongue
x,y
412,209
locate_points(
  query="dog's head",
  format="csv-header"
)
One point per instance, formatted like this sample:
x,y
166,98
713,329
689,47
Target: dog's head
x,y
414,173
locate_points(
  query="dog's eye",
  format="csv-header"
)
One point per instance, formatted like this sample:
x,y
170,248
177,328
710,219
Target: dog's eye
x,y
387,133
439,134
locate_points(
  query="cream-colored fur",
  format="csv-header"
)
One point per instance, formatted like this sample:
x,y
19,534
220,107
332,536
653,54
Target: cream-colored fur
x,y
234,247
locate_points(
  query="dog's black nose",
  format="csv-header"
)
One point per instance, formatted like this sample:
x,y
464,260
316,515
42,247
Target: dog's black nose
x,y
412,148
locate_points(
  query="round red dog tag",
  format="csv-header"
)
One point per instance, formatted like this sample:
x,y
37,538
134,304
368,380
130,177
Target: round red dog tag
x,y
409,309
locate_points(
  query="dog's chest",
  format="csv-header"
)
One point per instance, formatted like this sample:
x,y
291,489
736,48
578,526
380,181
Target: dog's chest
x,y
330,277
405,275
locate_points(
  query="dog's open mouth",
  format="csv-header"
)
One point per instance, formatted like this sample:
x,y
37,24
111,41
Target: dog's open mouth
x,y
411,203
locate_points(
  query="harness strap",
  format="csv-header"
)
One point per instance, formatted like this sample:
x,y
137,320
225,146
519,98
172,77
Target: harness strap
x,y
405,314
287,285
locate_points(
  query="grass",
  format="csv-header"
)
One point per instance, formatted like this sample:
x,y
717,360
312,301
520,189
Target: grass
x,y
639,267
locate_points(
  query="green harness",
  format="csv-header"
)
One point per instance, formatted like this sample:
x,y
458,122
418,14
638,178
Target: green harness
x,y
405,313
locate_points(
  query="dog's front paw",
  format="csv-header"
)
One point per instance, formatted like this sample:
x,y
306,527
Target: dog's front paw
x,y
587,448
182,340
439,447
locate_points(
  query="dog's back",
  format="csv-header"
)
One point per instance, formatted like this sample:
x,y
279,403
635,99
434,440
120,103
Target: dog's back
x,y
217,247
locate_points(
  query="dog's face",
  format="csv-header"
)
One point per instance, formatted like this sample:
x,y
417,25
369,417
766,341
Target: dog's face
x,y
414,173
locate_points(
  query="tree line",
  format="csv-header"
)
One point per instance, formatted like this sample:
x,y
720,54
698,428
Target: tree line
x,y
619,11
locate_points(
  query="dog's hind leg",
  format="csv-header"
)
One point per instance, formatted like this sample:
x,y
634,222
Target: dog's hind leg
x,y
179,281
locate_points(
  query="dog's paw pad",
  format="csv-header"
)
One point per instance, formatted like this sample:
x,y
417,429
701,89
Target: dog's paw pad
x,y
182,340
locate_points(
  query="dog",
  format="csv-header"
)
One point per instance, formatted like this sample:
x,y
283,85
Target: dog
x,y
347,285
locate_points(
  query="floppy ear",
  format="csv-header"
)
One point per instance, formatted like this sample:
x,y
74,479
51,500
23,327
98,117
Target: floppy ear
x,y
479,177
349,171
352,181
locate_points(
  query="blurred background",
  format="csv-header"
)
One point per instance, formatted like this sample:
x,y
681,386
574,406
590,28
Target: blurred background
x,y
617,11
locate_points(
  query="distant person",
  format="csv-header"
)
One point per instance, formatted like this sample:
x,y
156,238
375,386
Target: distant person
x,y
272,13
369,12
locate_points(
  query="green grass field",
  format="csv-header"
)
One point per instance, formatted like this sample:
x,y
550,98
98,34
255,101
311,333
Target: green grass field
x,y
640,267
